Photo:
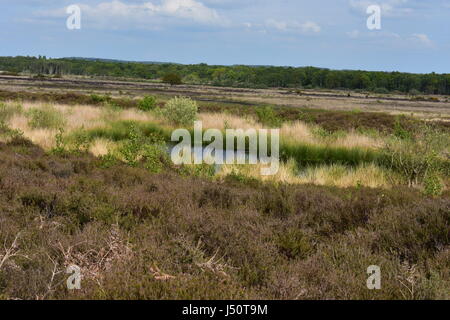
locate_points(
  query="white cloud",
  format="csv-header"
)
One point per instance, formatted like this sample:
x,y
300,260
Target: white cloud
x,y
423,39
118,14
293,26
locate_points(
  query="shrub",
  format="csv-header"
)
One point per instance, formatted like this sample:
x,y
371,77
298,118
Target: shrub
x,y
45,118
130,150
401,132
147,103
7,132
181,111
154,157
172,79
381,90
82,141
60,144
433,185
268,117
97,99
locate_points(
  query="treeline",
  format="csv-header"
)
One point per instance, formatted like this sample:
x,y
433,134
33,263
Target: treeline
x,y
239,76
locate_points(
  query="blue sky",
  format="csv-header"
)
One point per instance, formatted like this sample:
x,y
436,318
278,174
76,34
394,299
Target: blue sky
x,y
414,36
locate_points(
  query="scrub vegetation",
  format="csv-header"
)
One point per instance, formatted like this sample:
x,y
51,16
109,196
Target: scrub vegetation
x,y
87,181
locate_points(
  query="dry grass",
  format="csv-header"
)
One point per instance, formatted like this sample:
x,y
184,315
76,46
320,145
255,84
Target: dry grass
x,y
297,131
77,117
354,139
101,147
88,117
369,175
224,121
44,138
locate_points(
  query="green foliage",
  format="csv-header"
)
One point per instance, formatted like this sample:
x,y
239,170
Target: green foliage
x,y
97,99
108,160
130,150
60,143
181,111
239,75
433,185
172,79
9,133
381,90
419,157
235,176
201,170
268,117
46,117
82,141
400,132
154,156
147,103
149,149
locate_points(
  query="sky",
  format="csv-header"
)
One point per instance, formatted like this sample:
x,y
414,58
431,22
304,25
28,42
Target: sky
x,y
414,34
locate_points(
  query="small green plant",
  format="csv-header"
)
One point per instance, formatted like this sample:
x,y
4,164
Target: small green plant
x,y
154,156
46,117
321,133
180,111
130,150
267,116
108,160
60,143
149,149
147,103
9,133
82,142
433,185
400,132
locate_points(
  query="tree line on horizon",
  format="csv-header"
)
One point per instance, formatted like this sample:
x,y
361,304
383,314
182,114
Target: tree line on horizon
x,y
238,75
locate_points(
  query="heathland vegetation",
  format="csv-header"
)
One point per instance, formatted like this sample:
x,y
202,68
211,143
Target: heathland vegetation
x,y
238,76
86,180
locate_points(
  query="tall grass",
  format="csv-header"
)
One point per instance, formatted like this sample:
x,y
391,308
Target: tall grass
x,y
307,154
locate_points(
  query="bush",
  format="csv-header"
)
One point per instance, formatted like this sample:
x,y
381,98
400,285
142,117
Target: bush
x,y
97,99
45,118
172,79
147,103
130,150
154,156
181,111
381,90
267,116
433,185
